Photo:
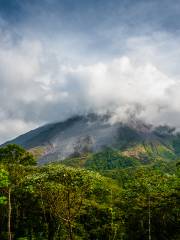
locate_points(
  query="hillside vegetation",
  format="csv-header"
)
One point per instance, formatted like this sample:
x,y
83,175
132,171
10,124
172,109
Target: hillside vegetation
x,y
112,194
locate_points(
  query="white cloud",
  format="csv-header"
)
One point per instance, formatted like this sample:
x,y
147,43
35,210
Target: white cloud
x,y
36,87
10,128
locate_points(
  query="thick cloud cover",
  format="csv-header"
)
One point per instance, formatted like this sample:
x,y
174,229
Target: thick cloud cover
x,y
44,79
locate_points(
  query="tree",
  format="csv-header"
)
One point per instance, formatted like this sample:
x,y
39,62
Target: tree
x,y
150,201
14,154
4,182
67,196
13,157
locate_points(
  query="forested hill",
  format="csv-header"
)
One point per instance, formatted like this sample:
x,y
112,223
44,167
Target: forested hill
x,y
109,195
101,181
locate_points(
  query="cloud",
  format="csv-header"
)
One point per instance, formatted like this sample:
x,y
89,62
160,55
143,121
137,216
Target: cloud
x,y
11,128
36,88
52,69
121,86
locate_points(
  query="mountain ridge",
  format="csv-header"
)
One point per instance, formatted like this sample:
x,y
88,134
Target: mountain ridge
x,y
93,133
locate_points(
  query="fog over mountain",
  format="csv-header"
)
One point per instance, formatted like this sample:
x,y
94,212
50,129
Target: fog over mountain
x,y
60,59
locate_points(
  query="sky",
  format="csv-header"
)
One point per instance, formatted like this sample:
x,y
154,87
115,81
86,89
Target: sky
x,y
60,58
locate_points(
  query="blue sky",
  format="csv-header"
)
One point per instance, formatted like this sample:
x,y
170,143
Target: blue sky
x,y
60,58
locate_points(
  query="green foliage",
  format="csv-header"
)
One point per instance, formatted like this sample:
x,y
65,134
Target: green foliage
x,y
4,179
4,182
108,160
113,198
152,189
14,154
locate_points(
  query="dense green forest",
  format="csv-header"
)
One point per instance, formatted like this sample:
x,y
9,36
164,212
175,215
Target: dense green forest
x,y
97,196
